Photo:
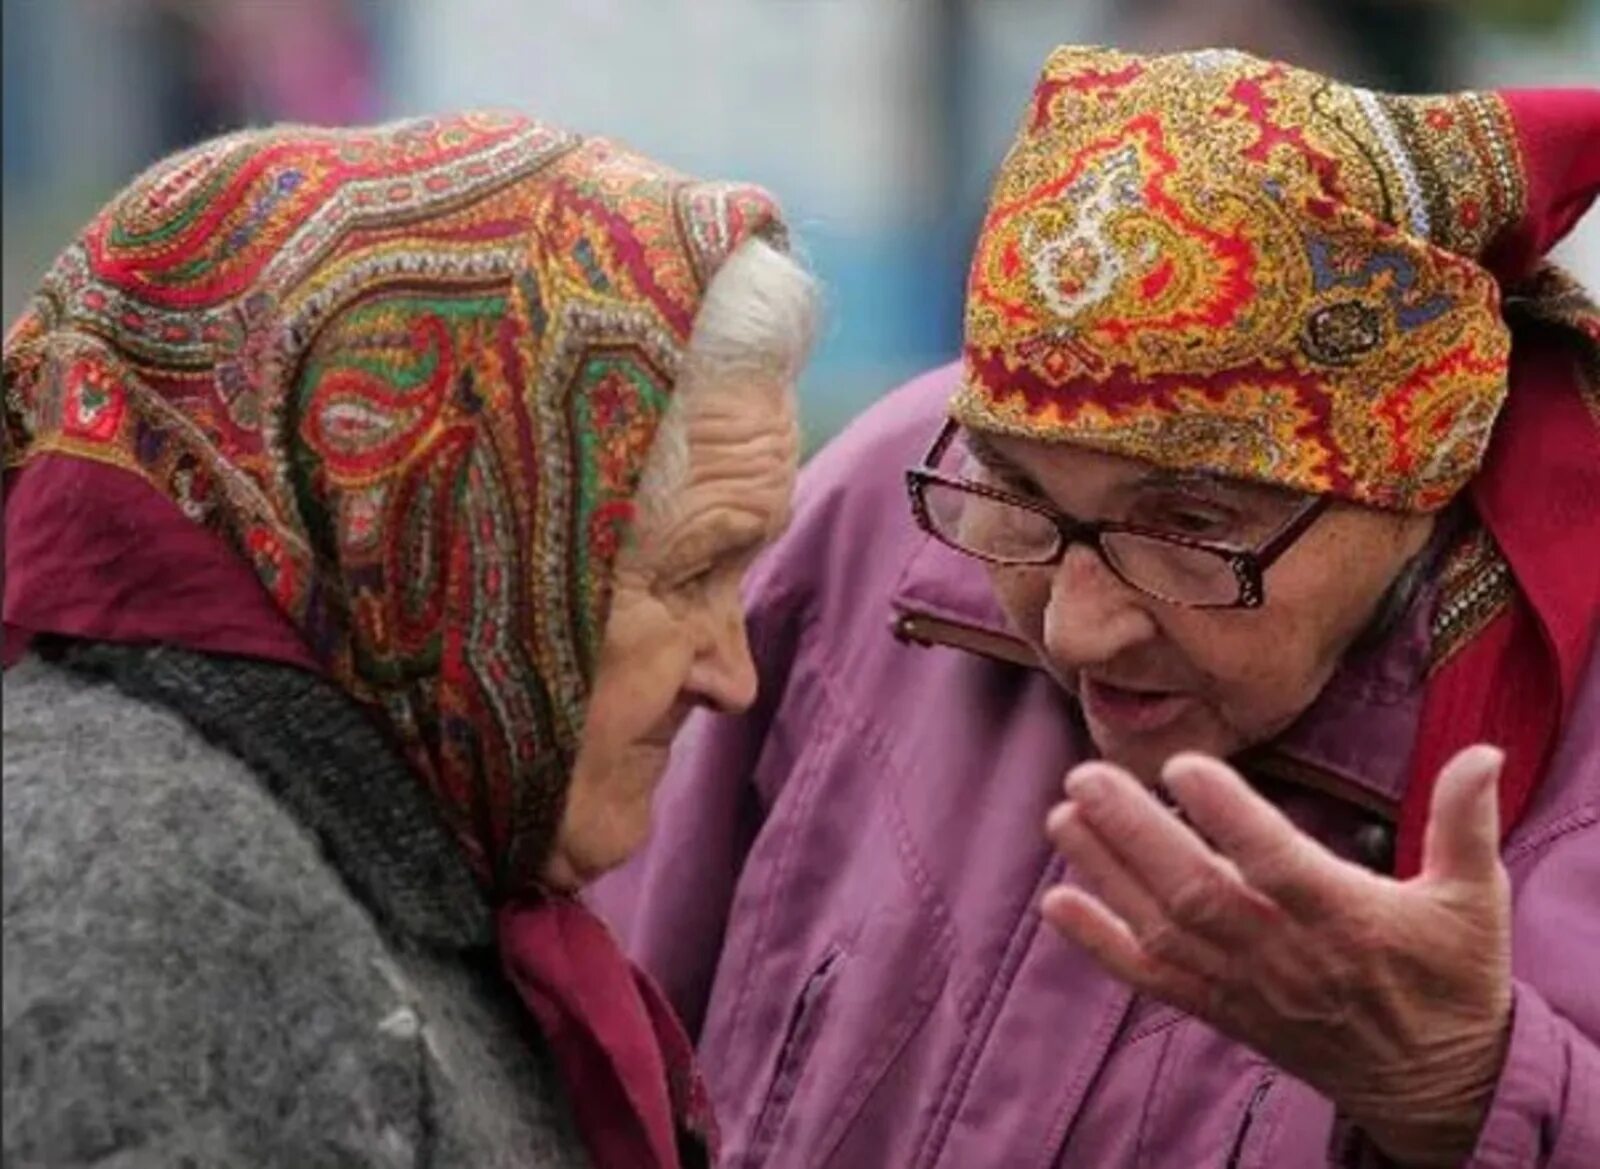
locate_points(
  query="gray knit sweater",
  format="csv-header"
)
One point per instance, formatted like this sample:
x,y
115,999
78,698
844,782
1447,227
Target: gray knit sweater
x,y
214,962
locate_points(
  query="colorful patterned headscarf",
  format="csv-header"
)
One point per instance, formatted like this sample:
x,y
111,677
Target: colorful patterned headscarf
x,y
410,375
1209,260
1212,262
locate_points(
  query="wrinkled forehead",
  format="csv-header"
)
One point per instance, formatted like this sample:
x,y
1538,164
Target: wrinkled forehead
x,y
1055,466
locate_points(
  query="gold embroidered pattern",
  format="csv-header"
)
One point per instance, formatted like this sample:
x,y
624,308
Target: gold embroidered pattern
x,y
1212,234
1475,586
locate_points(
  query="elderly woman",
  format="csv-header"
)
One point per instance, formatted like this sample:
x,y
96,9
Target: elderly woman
x,y
1273,442
377,506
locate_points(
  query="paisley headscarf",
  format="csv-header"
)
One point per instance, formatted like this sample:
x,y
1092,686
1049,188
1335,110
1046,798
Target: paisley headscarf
x,y
410,376
1213,262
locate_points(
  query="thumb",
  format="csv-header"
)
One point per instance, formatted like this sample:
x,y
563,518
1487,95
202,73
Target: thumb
x,y
1462,842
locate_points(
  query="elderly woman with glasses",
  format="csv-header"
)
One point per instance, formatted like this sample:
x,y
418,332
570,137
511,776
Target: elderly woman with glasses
x,y
1205,771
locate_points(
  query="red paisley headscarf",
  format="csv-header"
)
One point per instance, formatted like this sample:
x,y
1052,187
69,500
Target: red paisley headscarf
x,y
1210,261
375,402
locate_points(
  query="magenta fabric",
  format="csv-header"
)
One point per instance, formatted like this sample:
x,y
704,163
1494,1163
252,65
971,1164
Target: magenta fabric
x,y
840,894
91,551
624,1059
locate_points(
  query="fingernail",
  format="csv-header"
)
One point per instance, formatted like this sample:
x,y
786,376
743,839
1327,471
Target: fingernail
x,y
1057,819
1493,763
1085,780
1485,762
1181,766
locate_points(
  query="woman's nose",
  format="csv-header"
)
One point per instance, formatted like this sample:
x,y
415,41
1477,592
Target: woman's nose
x,y
724,674
1091,616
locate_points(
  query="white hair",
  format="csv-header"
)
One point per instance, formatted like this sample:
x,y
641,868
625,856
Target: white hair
x,y
754,327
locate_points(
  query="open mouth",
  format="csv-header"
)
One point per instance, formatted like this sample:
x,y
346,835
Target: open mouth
x,y
1122,709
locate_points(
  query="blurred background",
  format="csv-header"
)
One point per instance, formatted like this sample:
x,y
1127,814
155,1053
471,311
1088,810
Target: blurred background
x,y
878,122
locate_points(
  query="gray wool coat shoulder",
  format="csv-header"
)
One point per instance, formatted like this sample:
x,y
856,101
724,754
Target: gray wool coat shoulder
x,y
191,981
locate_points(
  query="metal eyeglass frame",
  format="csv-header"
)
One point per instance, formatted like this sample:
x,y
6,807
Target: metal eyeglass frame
x,y
1249,565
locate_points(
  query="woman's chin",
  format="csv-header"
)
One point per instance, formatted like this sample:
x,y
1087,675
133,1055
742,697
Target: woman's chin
x,y
594,844
576,864
1144,756
1143,764
560,875
607,816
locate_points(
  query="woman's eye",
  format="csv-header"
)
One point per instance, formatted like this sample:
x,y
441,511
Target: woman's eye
x,y
1009,481
1193,521
1189,521
695,582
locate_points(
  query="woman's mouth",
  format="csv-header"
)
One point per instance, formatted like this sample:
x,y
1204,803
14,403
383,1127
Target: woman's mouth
x,y
1118,708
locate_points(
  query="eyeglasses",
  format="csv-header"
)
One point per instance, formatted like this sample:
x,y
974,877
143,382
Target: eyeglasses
x,y
1001,528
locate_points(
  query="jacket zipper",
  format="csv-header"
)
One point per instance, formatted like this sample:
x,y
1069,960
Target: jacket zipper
x,y
792,1055
924,629
1246,1123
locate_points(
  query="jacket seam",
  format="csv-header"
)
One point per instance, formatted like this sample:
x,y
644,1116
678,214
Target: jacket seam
x,y
1105,1040
1581,817
1160,1085
1159,1020
832,710
804,792
877,746
906,1022
875,741
954,1090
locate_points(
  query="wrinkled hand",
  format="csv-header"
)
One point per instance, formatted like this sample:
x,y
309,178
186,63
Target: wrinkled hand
x,y
1392,998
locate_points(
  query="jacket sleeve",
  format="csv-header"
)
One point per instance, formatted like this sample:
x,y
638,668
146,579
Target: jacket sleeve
x,y
1546,1108
1545,1112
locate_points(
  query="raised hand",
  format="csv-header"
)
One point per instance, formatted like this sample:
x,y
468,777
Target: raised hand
x,y
1392,998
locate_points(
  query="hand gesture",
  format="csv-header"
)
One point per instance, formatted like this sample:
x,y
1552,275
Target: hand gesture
x,y
1392,998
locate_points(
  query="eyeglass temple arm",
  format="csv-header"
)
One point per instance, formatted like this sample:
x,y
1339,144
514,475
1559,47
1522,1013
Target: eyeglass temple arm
x,y
941,443
1285,537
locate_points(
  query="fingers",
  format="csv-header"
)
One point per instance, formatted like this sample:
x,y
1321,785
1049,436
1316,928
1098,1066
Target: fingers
x,y
1094,927
1462,842
1272,854
1181,899
1085,920
1100,869
1146,836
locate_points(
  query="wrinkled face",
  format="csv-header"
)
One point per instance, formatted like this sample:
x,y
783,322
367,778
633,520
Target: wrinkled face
x,y
675,638
1154,678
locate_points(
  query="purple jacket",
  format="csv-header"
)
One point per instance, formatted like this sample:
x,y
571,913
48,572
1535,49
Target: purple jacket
x,y
840,891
